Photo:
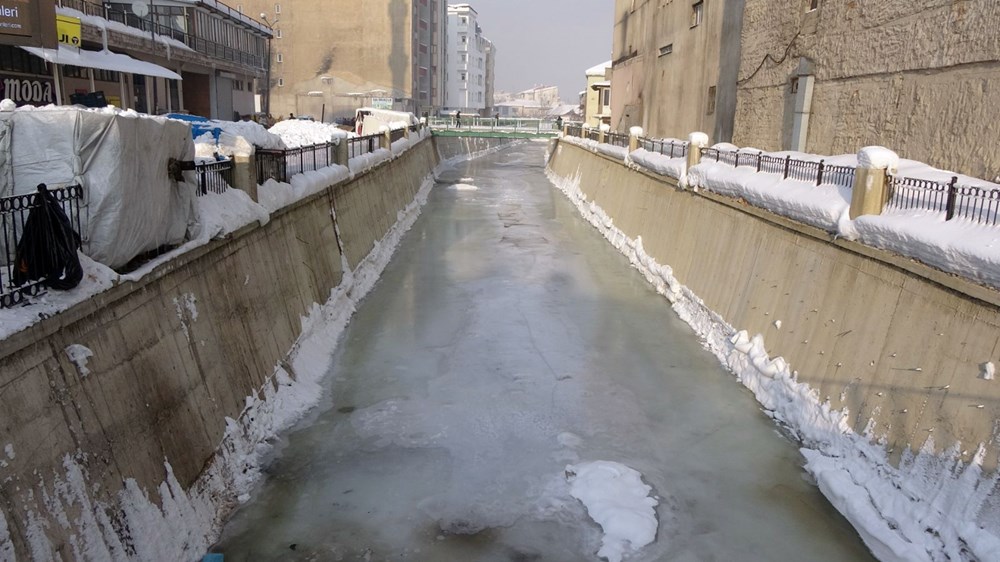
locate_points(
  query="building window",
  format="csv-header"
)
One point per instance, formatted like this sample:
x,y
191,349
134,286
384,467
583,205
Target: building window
x,y
277,8
697,13
463,20
813,4
463,39
465,57
462,77
277,33
606,97
279,58
711,100
281,82
666,49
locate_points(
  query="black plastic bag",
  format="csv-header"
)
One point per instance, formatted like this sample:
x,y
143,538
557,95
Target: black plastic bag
x,y
47,248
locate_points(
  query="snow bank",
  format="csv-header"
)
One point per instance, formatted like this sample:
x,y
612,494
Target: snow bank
x,y
274,195
79,355
930,507
616,499
658,163
878,158
253,133
301,132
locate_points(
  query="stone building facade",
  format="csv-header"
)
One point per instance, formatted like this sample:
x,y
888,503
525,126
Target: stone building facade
x,y
674,66
329,57
919,76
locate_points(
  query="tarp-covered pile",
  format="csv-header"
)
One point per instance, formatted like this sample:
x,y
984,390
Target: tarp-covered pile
x,y
130,203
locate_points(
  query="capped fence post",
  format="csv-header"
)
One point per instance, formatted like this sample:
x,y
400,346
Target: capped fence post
x,y
385,139
788,161
341,152
871,180
819,173
760,155
696,142
633,138
952,197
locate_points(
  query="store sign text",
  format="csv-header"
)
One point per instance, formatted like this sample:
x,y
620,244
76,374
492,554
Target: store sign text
x,y
27,91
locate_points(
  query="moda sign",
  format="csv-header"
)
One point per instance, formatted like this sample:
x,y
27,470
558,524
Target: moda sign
x,y
27,91
18,17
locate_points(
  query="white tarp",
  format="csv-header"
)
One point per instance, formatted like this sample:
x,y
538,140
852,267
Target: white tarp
x,y
374,119
130,205
104,60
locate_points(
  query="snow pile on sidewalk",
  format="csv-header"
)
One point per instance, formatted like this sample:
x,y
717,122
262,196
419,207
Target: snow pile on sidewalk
x,y
931,507
302,132
658,163
616,499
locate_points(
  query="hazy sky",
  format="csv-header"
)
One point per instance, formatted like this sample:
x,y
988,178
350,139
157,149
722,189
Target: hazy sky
x,y
547,42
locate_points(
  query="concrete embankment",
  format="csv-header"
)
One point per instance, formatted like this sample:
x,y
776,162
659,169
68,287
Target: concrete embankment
x,y
902,347
173,356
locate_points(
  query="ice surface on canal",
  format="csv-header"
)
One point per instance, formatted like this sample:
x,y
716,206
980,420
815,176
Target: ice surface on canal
x,y
505,341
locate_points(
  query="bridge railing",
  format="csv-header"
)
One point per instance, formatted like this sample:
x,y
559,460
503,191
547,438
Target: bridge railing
x,y
507,124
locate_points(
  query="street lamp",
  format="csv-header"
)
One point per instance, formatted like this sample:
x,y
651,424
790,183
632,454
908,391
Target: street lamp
x,y
267,91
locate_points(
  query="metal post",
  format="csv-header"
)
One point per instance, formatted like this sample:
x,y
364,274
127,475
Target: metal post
x,y
788,161
952,197
819,173
759,156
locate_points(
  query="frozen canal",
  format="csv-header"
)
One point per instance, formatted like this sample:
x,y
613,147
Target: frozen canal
x,y
506,340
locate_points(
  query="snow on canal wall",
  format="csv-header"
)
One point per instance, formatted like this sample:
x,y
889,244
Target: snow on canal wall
x,y
132,422
880,366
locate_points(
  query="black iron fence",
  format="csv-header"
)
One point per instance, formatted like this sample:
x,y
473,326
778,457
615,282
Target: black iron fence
x,y
363,145
669,148
977,204
818,173
13,214
574,130
216,177
396,134
616,139
281,165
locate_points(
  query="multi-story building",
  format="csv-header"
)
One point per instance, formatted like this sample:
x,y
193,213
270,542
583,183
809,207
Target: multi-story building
x,y
468,60
675,66
329,57
198,56
597,104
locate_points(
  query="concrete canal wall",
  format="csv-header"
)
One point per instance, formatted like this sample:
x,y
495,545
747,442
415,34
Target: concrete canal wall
x,y
894,342
174,355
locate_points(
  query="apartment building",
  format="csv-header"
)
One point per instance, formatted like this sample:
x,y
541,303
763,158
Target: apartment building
x,y
469,59
329,57
198,56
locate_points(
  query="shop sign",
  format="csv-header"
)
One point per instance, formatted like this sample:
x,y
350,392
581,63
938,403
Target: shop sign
x,y
381,103
17,17
27,90
69,30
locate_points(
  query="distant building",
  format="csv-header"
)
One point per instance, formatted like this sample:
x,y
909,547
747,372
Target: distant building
x,y
329,57
197,56
470,60
521,109
597,108
546,96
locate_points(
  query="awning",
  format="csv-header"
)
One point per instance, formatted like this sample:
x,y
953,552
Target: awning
x,y
104,60
599,85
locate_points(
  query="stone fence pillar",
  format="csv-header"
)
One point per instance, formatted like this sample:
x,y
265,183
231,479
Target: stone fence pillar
x,y
633,138
385,141
696,143
245,173
871,180
341,152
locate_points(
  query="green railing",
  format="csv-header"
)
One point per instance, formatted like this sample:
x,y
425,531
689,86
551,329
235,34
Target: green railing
x,y
503,124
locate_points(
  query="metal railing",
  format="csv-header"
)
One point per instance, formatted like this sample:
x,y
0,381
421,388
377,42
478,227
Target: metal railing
x,y
976,204
196,43
281,165
668,148
13,214
356,146
616,139
574,130
396,134
216,177
476,123
818,173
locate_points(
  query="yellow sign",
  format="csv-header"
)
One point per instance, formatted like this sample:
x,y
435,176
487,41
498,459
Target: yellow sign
x,y
69,31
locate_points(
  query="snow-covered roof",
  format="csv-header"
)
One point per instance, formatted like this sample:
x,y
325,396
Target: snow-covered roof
x,y
604,84
599,70
564,109
520,103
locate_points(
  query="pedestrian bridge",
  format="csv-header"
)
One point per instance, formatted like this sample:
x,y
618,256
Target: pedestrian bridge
x,y
489,127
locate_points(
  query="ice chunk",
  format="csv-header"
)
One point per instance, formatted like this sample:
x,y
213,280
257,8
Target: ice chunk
x,y
989,371
79,355
616,499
